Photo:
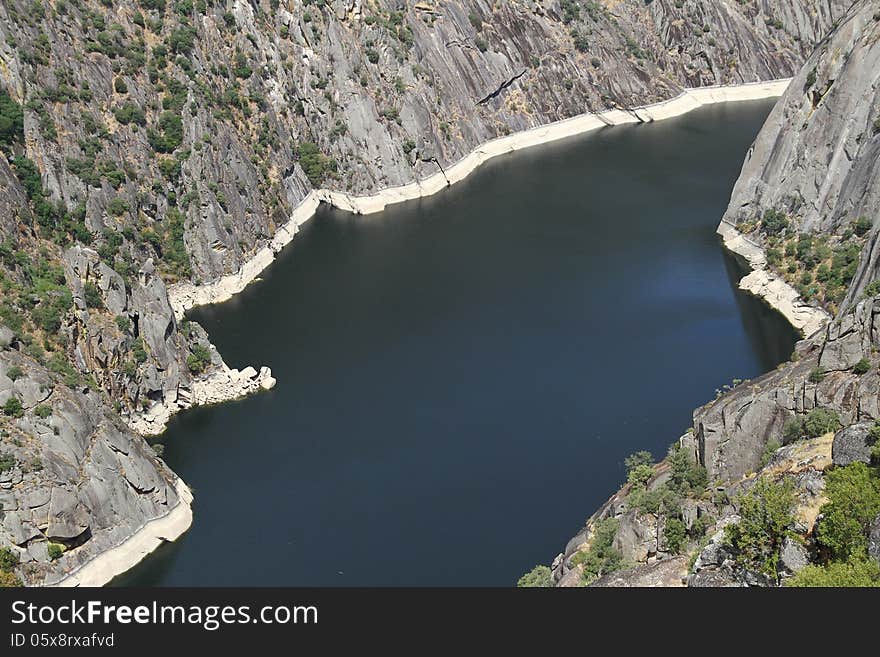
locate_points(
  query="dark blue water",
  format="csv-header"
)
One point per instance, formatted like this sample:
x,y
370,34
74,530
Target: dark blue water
x,y
460,378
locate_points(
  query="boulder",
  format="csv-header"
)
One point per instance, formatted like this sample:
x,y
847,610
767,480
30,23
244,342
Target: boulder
x,y
6,336
852,444
793,558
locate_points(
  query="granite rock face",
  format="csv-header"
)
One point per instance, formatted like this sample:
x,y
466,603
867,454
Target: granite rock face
x,y
73,476
731,432
387,91
818,155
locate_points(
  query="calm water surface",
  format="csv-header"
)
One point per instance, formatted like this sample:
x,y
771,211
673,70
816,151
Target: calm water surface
x,y
461,377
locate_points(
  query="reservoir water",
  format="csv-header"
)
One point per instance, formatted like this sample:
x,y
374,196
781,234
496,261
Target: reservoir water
x,y
460,378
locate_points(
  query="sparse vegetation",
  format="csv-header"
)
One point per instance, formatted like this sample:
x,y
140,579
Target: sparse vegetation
x,y
766,513
600,558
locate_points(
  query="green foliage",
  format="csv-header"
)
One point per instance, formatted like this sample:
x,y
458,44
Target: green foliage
x,y
849,574
14,372
7,461
129,112
639,458
853,504
600,558
60,365
639,468
817,422
662,500
817,375
775,222
820,421
43,411
13,407
11,120
766,512
123,323
199,359
182,40
170,167
537,577
675,534
687,475
170,134
8,560
862,367
92,295
640,475
314,163
55,550
862,226
139,351
769,450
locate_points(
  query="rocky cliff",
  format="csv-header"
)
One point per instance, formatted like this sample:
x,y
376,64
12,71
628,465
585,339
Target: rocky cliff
x,y
166,141
803,213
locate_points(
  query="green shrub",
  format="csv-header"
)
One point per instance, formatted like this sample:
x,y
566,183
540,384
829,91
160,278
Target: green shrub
x,y
314,163
862,226
117,206
7,461
14,372
675,534
199,359
8,560
820,421
862,367
11,119
537,577
687,475
774,222
769,450
817,375
169,167
139,350
853,504
639,468
766,512
640,475
123,323
170,134
849,574
13,407
55,550
600,558
92,295
129,113
43,411
793,429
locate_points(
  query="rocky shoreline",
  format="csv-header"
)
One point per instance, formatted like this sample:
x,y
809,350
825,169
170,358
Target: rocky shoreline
x,y
222,385
117,560
764,284
184,296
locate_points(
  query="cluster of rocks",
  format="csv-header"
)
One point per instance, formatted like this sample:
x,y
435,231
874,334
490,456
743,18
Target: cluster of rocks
x,y
221,385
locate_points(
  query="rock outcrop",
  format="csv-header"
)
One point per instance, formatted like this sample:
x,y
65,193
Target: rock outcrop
x,y
810,178
75,483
